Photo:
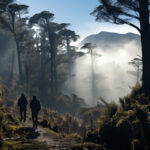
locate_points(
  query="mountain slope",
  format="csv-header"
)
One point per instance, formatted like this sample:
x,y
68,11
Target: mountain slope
x,y
107,40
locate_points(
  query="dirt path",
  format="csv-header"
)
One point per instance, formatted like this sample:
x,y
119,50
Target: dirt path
x,y
43,137
52,141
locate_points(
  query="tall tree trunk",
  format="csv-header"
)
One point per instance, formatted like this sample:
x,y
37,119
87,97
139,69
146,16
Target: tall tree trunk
x,y
68,44
18,48
52,49
92,76
19,61
52,40
52,74
55,63
55,74
27,79
52,64
43,81
69,56
145,40
12,67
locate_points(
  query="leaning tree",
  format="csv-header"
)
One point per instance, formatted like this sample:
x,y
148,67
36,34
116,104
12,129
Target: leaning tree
x,y
134,13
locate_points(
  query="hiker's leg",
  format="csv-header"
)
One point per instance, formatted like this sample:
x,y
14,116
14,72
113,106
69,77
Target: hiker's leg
x,y
21,111
24,115
36,120
33,119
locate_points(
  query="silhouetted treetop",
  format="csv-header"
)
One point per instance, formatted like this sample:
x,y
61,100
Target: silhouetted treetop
x,y
42,17
20,8
57,27
88,46
4,5
118,12
5,2
71,35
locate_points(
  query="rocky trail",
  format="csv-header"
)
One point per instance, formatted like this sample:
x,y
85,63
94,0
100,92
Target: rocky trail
x,y
51,141
39,139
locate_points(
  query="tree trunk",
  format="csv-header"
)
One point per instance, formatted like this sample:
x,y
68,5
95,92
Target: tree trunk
x,y
43,82
18,48
55,74
145,39
52,74
52,49
55,63
19,61
12,68
68,44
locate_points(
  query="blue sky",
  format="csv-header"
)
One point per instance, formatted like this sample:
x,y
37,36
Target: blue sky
x,y
76,12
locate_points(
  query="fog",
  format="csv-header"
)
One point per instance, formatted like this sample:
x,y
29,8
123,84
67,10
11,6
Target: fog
x,y
111,79
8,55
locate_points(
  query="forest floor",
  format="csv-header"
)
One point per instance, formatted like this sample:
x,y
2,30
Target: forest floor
x,y
49,139
39,139
52,141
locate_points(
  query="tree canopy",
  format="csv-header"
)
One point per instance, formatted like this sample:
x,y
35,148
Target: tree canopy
x,y
118,12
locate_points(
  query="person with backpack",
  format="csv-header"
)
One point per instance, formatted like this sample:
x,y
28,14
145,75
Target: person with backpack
x,y
22,103
35,108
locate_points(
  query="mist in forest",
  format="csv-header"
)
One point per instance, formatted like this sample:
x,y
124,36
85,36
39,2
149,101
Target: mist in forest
x,y
111,74
8,58
111,78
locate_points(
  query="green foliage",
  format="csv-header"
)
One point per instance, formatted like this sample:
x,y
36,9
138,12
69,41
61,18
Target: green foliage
x,y
136,145
111,108
135,97
95,112
8,125
1,131
126,126
13,135
118,12
87,146
74,138
63,124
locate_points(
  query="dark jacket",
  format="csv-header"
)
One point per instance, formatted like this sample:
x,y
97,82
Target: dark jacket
x,y
35,106
22,102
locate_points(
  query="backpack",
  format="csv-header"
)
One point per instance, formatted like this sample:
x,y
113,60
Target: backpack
x,y
35,105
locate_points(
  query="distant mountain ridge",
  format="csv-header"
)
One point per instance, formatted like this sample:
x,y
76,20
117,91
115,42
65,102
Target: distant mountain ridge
x,y
106,40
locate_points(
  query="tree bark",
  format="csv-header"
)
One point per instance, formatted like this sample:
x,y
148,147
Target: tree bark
x,y
42,85
12,68
19,60
68,44
52,51
145,40
18,48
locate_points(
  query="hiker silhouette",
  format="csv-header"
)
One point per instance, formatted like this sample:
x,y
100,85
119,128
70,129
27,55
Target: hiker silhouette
x,y
22,103
35,108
